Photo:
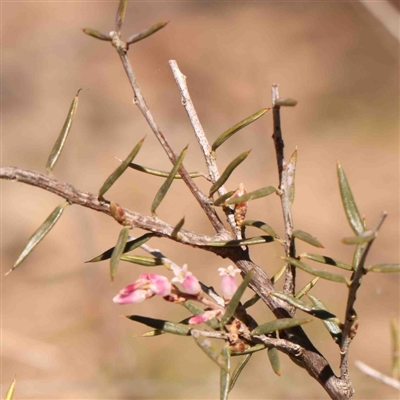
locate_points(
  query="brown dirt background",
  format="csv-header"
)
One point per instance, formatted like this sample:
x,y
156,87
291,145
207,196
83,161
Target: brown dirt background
x,y
62,335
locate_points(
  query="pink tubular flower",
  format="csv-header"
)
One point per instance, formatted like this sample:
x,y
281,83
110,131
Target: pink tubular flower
x,y
206,316
147,286
189,282
228,283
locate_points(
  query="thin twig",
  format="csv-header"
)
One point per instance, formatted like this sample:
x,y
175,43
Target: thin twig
x,y
212,167
387,380
289,286
139,100
350,324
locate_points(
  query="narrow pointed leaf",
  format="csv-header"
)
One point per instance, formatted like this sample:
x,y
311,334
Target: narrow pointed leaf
x,y
301,305
118,250
233,304
62,137
120,170
285,102
322,274
291,173
273,356
145,33
280,272
307,288
384,268
131,245
260,225
10,391
224,375
244,242
238,370
306,237
394,330
236,128
326,260
39,235
333,324
350,207
364,238
145,261
205,345
251,301
166,185
228,171
278,325
358,252
195,310
119,18
161,174
250,350
177,228
221,200
256,194
166,326
159,332
97,34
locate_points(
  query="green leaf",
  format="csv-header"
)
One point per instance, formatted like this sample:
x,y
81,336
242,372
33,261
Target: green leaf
x,y
358,252
39,235
250,350
306,237
307,288
145,33
224,375
326,260
228,171
10,391
260,225
195,310
117,252
394,330
251,301
291,173
278,325
384,268
280,272
131,245
256,194
119,18
350,207
205,345
273,356
166,326
244,242
236,128
177,228
301,305
364,238
145,261
62,137
333,325
233,304
162,174
238,370
159,332
285,102
97,34
166,185
221,200
120,170
322,274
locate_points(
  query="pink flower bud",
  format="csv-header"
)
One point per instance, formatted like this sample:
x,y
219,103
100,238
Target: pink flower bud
x,y
190,283
228,283
206,316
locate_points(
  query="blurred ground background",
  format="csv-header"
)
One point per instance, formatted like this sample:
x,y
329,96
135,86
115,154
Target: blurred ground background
x,y
62,335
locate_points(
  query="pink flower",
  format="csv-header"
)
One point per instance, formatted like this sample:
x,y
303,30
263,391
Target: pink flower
x,y
228,283
147,286
189,282
206,316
